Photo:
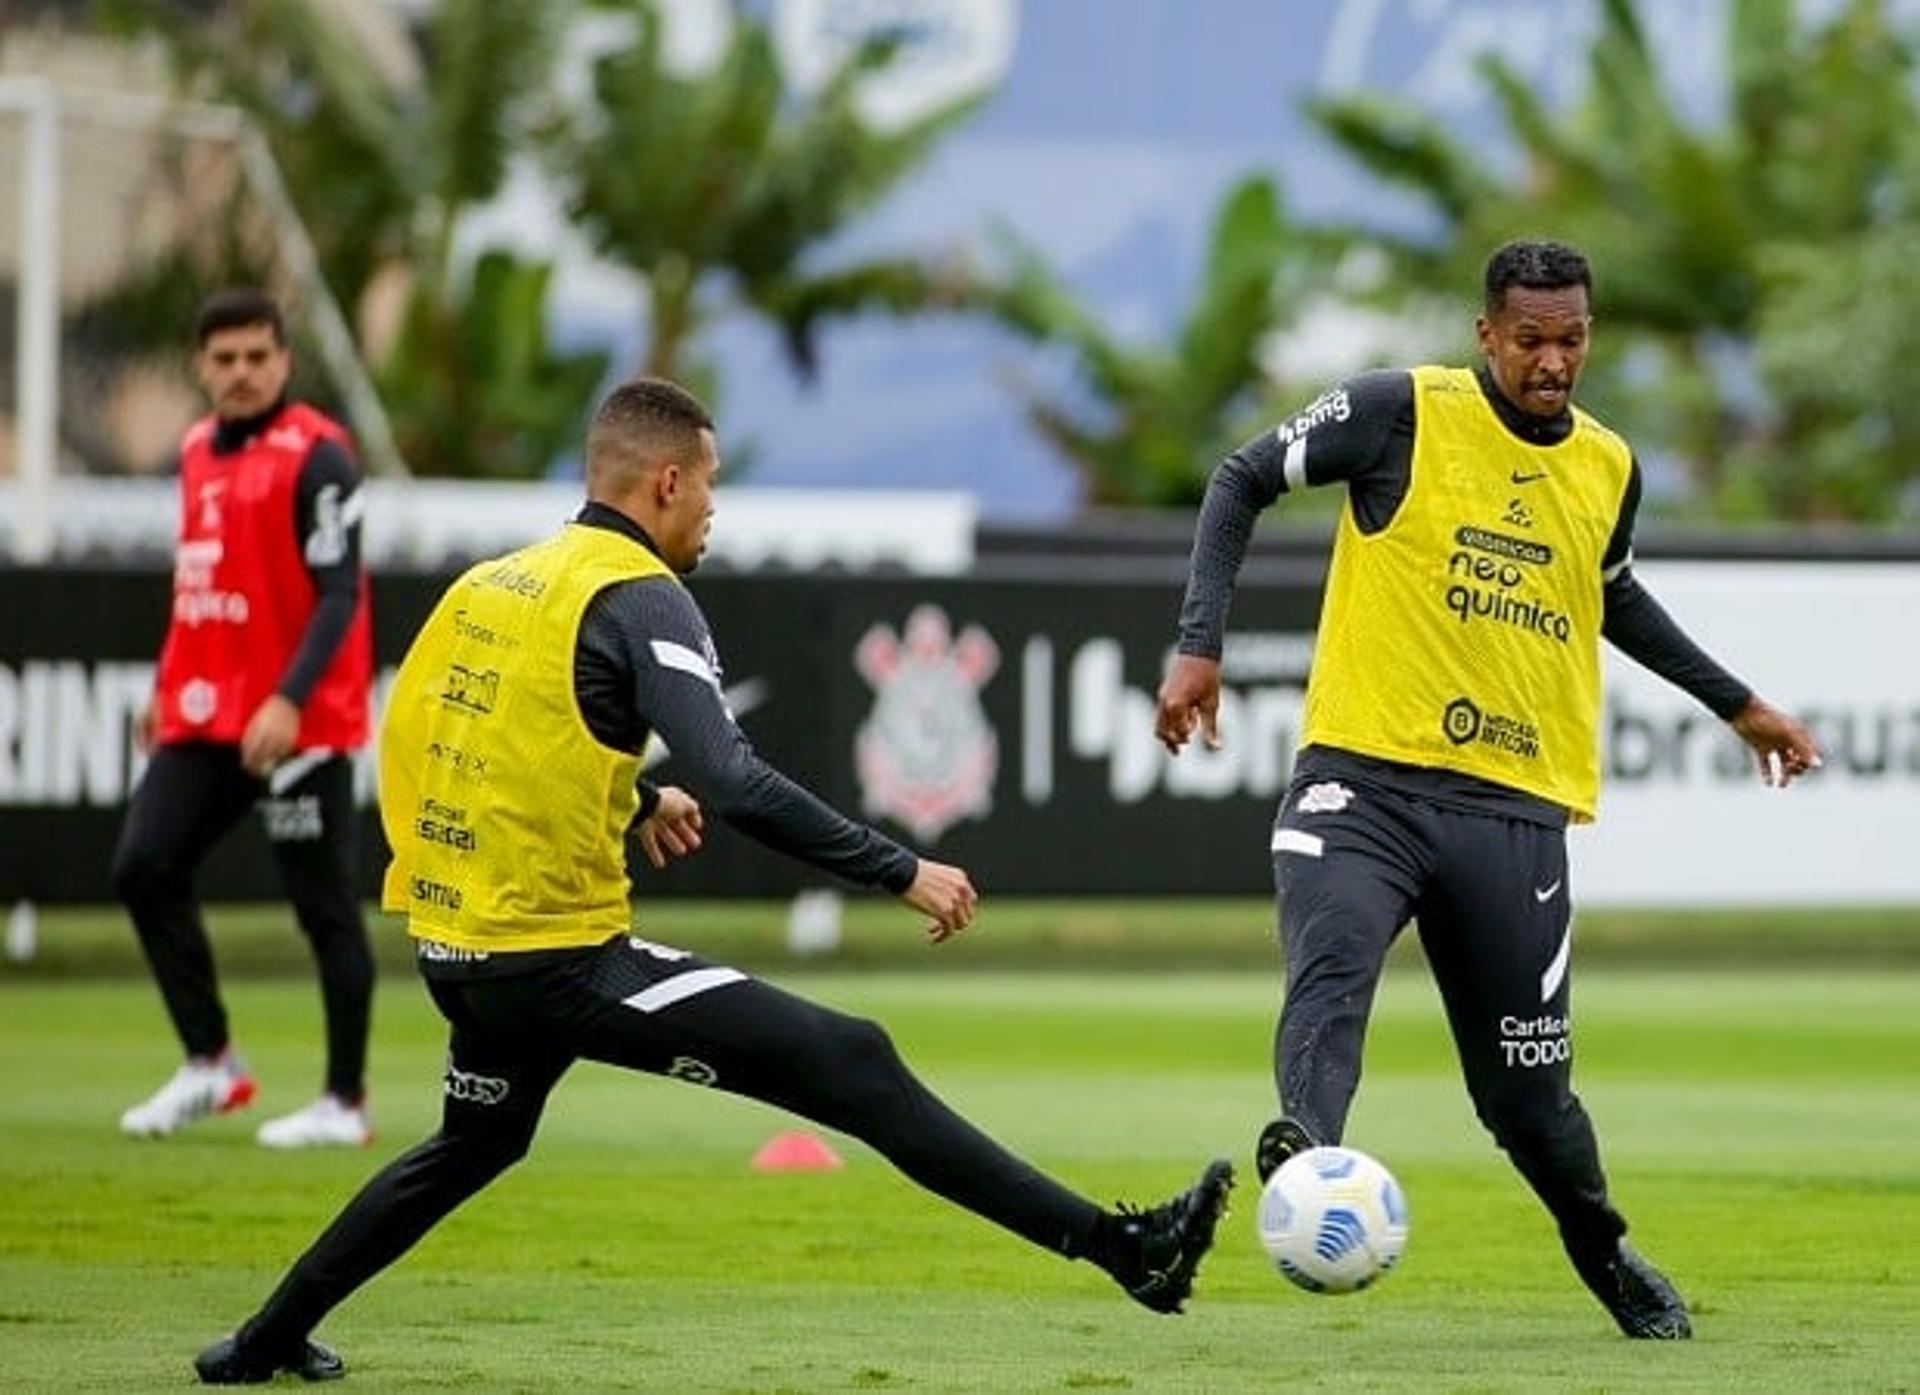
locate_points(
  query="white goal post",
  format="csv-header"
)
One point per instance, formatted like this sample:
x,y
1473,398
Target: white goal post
x,y
37,311
43,109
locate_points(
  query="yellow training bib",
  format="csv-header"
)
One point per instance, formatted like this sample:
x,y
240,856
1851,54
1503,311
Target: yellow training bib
x,y
507,818
1465,635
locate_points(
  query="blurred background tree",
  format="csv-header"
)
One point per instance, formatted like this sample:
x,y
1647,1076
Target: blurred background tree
x,y
722,189
1149,422
1838,335
1754,292
716,187
473,385
1733,317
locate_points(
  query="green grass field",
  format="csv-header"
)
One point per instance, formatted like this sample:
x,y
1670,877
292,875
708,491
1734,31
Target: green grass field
x,y
1762,1130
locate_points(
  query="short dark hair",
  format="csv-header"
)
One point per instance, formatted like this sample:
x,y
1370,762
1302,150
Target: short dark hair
x,y
1536,264
648,415
235,308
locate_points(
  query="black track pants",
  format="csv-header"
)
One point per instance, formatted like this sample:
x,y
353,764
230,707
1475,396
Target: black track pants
x,y
651,1008
191,796
1352,864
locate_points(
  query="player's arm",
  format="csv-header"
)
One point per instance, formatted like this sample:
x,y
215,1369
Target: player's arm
x,y
327,507
1359,434
1638,626
677,693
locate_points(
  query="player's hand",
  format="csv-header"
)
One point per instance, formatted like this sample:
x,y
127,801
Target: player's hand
x,y
269,736
944,893
1784,748
673,828
1189,695
146,727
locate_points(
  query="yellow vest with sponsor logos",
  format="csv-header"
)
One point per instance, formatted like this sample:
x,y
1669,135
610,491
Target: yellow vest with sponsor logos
x,y
1465,635
507,818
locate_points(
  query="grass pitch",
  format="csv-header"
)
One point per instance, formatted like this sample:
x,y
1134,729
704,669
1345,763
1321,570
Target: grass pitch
x,y
1762,1131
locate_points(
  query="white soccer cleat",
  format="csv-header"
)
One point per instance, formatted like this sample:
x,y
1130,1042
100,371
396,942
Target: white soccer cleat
x,y
328,1122
197,1089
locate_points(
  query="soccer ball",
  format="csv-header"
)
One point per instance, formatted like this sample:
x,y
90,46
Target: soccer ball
x,y
1332,1220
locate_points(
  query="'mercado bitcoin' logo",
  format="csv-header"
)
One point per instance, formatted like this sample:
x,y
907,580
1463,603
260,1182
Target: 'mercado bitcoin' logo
x,y
1462,721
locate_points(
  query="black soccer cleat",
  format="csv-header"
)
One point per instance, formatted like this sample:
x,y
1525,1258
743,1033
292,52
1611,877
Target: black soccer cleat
x,y
1169,1240
1640,1297
1279,1141
226,1362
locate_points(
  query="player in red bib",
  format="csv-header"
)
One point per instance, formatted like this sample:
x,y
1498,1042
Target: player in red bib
x,y
260,699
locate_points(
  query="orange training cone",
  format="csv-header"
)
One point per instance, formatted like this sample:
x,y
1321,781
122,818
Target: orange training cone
x,y
795,1151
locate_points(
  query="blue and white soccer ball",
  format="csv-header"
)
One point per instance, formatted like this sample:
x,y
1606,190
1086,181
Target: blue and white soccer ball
x,y
1333,1220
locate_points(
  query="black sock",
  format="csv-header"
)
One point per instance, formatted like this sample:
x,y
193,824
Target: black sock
x,y
256,1338
1114,1244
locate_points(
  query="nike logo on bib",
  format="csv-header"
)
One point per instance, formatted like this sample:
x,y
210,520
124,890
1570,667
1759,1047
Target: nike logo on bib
x,y
1519,478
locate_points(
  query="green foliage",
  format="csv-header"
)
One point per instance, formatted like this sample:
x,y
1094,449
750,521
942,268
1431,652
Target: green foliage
x,y
715,187
720,190
1838,339
1770,249
1708,240
490,340
1160,416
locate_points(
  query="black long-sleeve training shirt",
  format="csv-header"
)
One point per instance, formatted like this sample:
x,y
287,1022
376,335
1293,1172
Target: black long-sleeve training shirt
x,y
645,663
327,509
1369,447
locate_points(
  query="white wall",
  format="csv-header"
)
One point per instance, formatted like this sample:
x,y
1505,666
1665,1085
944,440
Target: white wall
x,y
1684,819
431,524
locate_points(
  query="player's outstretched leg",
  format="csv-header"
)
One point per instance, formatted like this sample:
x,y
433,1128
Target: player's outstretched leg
x,y
1161,1247
1279,1141
845,1073
226,1363
1642,1299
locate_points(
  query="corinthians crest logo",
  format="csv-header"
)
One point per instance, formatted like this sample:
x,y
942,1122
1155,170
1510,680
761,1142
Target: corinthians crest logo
x,y
926,756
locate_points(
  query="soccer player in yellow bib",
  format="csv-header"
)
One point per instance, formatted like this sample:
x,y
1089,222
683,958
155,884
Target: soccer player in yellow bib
x,y
509,775
1451,727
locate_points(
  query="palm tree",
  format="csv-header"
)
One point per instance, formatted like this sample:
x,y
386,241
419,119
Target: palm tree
x,y
491,343
1695,229
1164,413
720,190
